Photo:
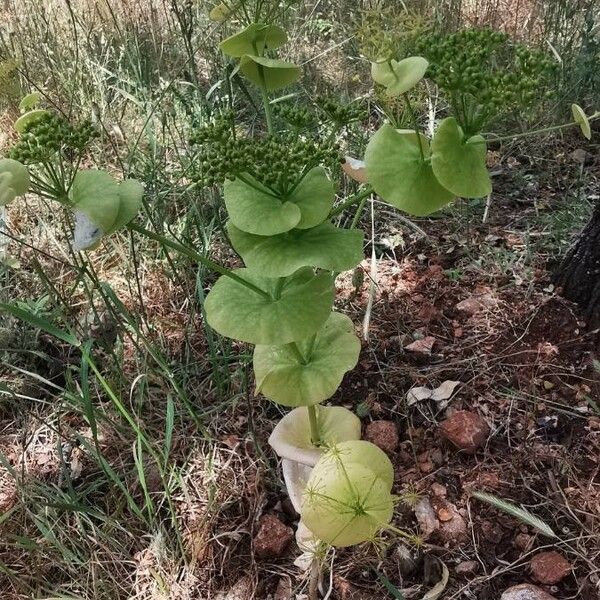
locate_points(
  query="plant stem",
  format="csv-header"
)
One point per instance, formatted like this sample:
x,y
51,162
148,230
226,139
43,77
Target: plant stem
x,y
294,348
351,201
413,118
535,131
358,213
263,92
315,433
196,256
265,99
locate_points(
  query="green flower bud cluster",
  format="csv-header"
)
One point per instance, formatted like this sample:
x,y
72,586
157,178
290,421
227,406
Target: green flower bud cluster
x,y
218,130
274,161
488,66
340,114
44,137
299,117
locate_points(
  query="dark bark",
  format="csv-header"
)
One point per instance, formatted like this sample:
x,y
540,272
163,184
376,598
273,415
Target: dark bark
x,y
579,273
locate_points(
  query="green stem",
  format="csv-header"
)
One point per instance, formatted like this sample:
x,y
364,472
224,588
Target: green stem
x,y
197,257
351,202
294,348
315,434
265,99
415,123
358,213
264,94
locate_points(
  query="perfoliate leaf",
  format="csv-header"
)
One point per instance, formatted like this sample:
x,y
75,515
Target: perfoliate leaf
x,y
325,246
29,117
296,309
355,169
87,234
288,379
258,212
291,437
254,40
295,475
520,513
459,163
582,120
96,194
399,77
314,195
131,193
344,502
14,180
219,13
400,176
30,101
364,453
102,205
269,73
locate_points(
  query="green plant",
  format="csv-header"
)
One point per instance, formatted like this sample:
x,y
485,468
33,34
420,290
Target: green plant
x,y
47,159
280,202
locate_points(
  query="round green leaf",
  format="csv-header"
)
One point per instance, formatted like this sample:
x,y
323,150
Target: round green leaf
x,y
255,39
283,377
276,74
258,212
131,193
364,453
399,77
459,163
219,13
291,437
325,246
30,101
345,503
96,194
295,311
314,195
29,117
400,176
582,120
14,180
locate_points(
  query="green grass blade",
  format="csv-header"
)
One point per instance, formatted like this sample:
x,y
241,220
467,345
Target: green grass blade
x,y
520,513
40,323
389,586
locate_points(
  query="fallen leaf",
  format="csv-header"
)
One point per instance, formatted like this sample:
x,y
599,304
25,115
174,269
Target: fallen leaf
x,y
440,394
355,169
438,589
422,346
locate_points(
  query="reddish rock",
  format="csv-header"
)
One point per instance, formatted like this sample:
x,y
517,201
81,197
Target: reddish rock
x,y
467,567
426,518
453,528
284,589
525,591
523,541
438,489
422,346
273,537
549,567
349,592
475,304
383,434
466,430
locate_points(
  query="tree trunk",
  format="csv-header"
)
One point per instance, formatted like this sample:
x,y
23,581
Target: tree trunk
x,y
579,273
